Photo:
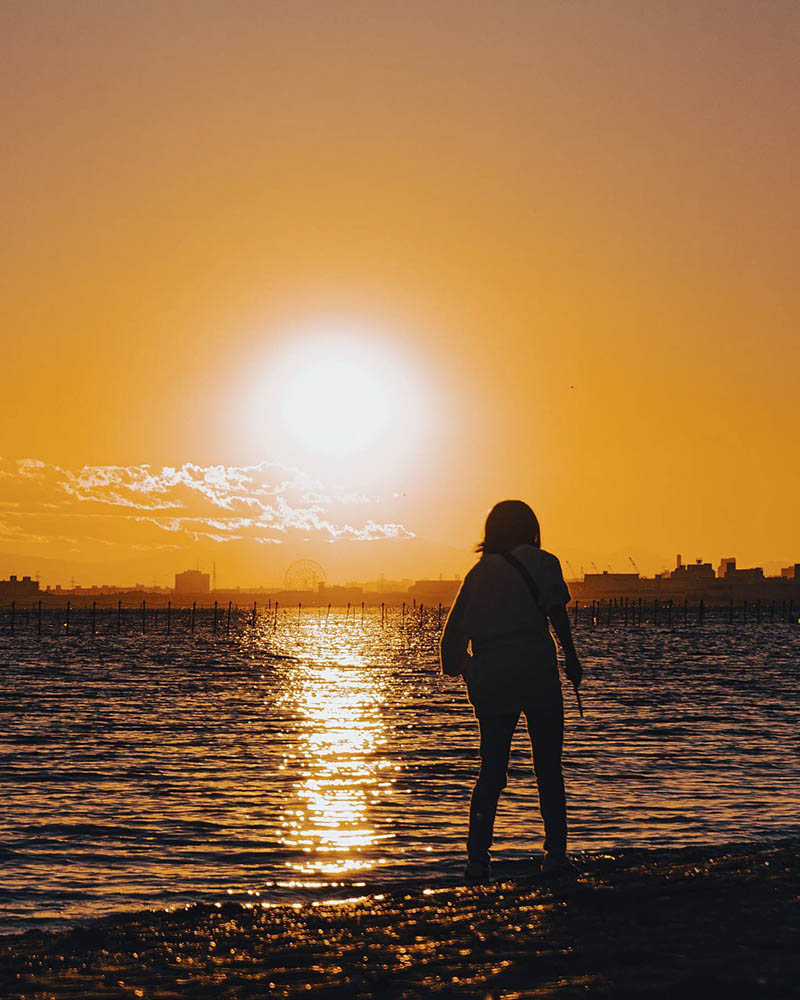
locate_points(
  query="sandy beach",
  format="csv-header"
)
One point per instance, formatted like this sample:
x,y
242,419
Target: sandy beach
x,y
687,923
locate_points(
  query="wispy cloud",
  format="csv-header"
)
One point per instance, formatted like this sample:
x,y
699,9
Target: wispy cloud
x,y
266,504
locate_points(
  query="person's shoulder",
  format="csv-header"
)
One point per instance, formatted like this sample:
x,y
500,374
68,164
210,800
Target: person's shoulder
x,y
484,570
472,573
534,552
550,558
487,561
537,557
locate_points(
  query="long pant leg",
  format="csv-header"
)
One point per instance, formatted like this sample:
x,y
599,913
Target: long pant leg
x,y
546,730
496,732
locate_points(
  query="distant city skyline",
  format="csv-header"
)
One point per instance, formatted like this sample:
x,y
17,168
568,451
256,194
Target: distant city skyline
x,y
194,581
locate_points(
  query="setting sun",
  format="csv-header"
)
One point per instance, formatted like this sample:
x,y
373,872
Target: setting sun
x,y
336,407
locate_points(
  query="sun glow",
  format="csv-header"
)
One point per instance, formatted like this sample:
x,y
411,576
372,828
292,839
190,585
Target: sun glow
x,y
337,407
345,401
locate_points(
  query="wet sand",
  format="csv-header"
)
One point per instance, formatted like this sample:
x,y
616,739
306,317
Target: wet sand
x,y
683,923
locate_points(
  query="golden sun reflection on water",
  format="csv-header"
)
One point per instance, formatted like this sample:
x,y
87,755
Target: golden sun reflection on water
x,y
330,817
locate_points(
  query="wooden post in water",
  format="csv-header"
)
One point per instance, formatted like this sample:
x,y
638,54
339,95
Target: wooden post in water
x,y
656,603
625,620
439,619
39,619
94,613
275,620
215,617
383,613
69,605
253,619
169,617
228,620
299,606
144,612
609,612
403,619
13,613
327,614
592,619
362,612
639,622
194,612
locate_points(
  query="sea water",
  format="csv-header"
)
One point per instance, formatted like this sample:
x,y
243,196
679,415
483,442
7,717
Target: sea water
x,y
312,755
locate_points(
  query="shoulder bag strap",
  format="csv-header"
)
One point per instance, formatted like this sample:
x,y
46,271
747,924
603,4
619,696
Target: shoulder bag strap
x,y
523,572
526,576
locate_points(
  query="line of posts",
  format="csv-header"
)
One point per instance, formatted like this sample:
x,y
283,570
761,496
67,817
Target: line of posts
x,y
624,611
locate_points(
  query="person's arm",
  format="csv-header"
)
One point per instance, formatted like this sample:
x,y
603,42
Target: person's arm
x,y
453,654
560,621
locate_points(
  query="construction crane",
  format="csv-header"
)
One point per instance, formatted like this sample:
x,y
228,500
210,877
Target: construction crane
x,y
633,564
595,567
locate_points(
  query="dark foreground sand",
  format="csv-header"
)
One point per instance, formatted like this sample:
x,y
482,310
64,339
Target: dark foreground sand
x,y
690,923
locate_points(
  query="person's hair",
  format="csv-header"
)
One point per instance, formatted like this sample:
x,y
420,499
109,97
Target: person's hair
x,y
510,523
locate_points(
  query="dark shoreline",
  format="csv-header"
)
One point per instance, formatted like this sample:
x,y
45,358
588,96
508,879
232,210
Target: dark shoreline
x,y
692,922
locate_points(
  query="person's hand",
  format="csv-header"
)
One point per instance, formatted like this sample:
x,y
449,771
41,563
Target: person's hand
x,y
573,669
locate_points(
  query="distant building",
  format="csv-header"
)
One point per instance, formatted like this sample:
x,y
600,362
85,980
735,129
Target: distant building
x,y
434,591
13,589
605,584
791,572
351,593
384,586
755,575
727,571
607,579
192,581
337,596
693,572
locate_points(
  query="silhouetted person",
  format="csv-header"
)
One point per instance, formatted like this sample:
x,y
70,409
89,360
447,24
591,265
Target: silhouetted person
x,y
502,609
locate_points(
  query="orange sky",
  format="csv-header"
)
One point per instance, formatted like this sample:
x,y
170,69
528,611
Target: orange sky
x,y
561,235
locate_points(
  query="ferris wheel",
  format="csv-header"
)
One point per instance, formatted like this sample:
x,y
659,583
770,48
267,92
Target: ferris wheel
x,y
304,574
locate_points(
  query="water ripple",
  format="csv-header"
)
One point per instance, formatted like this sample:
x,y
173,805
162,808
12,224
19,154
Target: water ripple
x,y
293,760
